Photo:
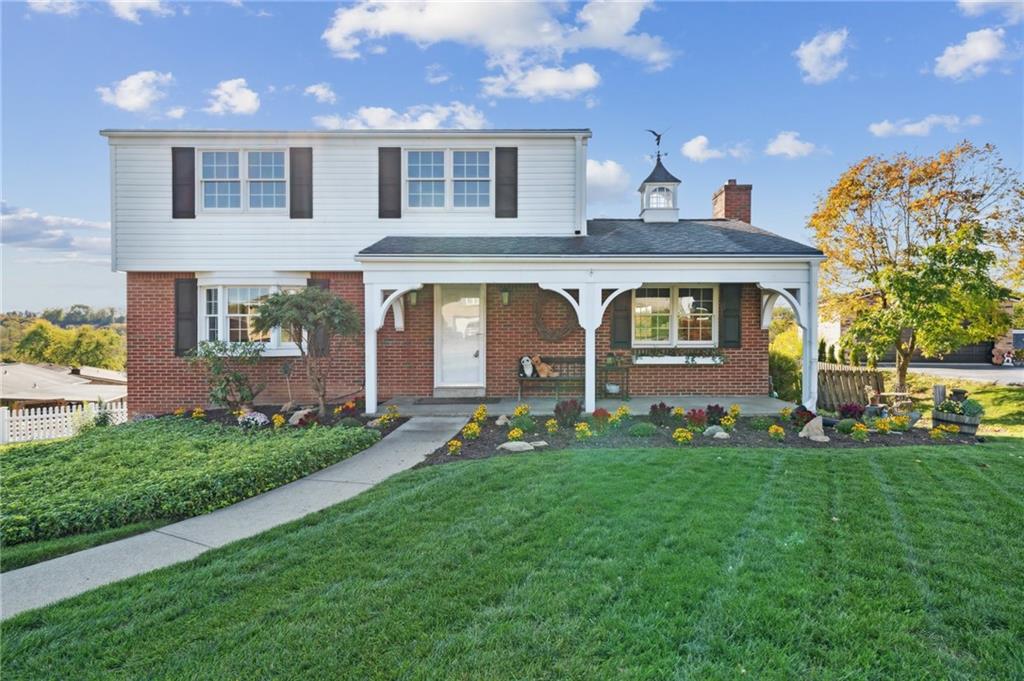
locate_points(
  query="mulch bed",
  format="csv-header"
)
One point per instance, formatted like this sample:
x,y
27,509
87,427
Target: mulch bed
x,y
744,435
227,418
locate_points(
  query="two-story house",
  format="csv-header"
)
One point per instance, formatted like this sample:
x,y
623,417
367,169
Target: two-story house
x,y
465,250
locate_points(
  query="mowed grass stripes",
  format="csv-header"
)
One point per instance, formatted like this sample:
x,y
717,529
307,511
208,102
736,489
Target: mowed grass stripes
x,y
635,564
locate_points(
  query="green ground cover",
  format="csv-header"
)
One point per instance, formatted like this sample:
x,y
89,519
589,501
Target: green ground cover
x,y
160,469
625,564
20,555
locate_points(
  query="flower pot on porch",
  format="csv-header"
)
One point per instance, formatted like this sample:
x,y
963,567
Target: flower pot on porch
x,y
968,424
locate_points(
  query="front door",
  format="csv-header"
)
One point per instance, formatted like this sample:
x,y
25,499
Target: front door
x,y
459,335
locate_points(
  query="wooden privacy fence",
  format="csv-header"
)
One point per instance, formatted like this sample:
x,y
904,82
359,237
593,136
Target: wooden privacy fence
x,y
46,423
839,384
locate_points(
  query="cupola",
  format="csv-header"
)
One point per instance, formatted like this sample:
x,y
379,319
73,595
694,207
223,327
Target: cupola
x,y
659,195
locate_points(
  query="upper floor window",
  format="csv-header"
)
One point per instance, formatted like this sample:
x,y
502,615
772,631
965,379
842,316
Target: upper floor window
x,y
675,316
448,179
659,197
258,183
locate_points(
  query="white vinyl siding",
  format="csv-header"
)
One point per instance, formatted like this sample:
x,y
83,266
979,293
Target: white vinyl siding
x,y
146,238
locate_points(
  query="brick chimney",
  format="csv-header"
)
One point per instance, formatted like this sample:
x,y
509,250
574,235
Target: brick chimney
x,y
732,201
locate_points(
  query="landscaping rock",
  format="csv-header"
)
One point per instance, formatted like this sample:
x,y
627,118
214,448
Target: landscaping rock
x,y
814,430
516,446
874,411
914,417
537,444
501,420
721,435
297,417
713,431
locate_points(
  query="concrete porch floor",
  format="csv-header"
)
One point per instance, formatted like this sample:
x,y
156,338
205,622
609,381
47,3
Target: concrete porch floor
x,y
751,405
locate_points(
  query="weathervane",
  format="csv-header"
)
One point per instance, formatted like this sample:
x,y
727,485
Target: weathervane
x,y
657,140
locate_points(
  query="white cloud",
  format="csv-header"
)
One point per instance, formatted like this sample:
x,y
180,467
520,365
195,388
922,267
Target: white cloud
x,y
420,117
68,8
542,82
322,92
132,10
520,39
175,112
137,92
821,58
923,127
1013,11
972,56
72,238
233,96
699,149
788,143
606,180
436,74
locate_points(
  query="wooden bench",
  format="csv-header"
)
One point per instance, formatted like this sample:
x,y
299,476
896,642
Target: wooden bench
x,y
570,371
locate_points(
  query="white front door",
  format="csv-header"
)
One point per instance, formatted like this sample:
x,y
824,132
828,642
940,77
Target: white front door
x,y
459,335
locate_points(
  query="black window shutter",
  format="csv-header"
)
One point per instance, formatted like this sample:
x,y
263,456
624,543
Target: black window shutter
x,y
183,182
186,315
506,182
301,180
622,322
319,344
389,182
729,319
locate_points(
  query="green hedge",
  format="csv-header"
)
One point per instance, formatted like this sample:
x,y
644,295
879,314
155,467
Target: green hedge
x,y
161,468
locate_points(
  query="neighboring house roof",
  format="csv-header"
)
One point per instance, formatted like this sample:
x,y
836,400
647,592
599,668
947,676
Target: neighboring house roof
x,y
607,238
29,382
660,174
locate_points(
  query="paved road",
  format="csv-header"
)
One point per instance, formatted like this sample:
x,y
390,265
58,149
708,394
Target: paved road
x,y
54,580
983,373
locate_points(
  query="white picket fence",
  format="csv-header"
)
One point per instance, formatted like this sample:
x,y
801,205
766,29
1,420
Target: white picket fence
x,y
46,423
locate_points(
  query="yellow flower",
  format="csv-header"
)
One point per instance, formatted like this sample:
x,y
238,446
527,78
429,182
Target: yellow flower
x,y
785,412
480,413
900,422
883,425
583,430
515,434
278,420
389,416
338,410
950,428
180,411
682,435
859,432
728,422
622,412
551,425
678,412
471,430
734,411
614,420
777,432
937,434
521,410
198,414
454,447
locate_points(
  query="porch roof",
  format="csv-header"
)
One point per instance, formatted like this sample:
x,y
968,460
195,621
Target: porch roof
x,y
605,238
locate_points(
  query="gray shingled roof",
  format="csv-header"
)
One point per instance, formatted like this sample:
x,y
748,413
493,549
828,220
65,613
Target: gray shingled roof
x,y
660,174
708,237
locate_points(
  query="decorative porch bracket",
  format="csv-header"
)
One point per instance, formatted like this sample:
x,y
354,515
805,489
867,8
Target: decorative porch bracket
x,y
805,307
590,311
375,312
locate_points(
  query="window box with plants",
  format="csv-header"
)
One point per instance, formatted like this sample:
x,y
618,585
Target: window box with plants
x,y
684,356
965,414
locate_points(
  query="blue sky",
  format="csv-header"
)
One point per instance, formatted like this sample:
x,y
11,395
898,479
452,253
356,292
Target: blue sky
x,y
781,95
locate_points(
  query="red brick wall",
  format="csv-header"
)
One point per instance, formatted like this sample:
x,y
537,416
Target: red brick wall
x,y
158,382
732,201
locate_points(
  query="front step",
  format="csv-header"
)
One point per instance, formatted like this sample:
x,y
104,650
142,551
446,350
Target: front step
x,y
459,392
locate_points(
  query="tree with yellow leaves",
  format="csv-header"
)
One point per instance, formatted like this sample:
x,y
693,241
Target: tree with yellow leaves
x,y
920,250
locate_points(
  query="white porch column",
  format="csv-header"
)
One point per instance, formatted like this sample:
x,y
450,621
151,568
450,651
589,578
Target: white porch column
x,y
590,319
371,305
810,358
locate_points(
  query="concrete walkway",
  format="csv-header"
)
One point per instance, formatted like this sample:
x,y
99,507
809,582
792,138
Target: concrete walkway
x,y
54,580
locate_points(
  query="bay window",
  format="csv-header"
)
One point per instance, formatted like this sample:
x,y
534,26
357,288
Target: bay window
x,y
229,314
675,316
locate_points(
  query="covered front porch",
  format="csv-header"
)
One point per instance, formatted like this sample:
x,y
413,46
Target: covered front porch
x,y
750,405
589,286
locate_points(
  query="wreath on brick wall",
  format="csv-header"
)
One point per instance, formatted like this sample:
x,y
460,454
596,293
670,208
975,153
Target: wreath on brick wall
x,y
543,330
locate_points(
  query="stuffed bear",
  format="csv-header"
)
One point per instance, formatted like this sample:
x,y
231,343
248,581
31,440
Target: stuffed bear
x,y
542,368
526,367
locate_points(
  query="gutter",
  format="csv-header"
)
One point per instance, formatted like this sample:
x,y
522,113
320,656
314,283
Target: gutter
x,y
797,257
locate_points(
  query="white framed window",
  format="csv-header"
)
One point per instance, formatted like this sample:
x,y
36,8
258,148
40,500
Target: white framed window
x,y
243,180
676,315
659,197
228,313
449,179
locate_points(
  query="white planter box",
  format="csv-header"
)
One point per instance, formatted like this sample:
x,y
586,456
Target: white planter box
x,y
695,360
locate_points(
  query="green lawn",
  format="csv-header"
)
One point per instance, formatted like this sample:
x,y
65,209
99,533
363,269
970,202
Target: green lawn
x,y
1004,404
29,553
631,564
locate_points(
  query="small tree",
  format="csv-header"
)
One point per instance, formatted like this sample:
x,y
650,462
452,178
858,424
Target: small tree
x,y
312,316
915,247
226,374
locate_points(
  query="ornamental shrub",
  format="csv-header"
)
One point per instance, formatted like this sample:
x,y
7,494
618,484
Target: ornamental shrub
x,y
166,468
567,413
846,426
350,422
972,408
785,375
762,422
714,412
801,416
660,414
697,418
601,415
643,429
950,407
859,432
851,410
523,422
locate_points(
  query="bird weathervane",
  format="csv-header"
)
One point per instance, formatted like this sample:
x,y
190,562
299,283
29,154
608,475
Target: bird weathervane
x,y
657,140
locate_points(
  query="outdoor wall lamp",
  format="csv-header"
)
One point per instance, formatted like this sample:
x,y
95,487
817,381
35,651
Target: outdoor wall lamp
x,y
413,297
505,295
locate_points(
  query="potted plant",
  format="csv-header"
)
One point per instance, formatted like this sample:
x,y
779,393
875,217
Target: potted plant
x,y
966,414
